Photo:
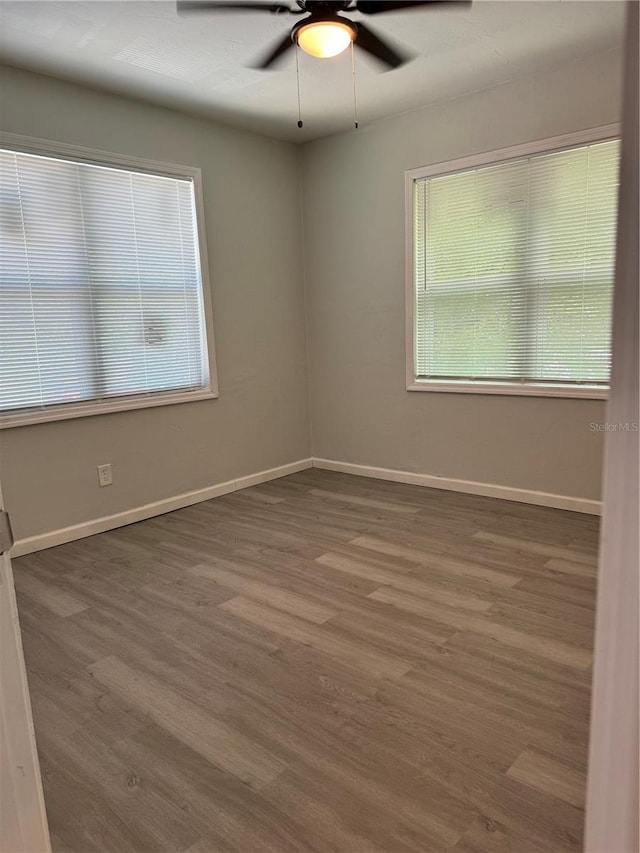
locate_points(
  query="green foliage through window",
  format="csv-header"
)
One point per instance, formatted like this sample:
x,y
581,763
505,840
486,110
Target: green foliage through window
x,y
514,269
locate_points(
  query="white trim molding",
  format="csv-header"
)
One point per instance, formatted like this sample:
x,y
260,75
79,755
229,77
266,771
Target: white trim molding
x,y
67,411
23,816
613,785
433,481
527,149
22,806
469,487
140,513
524,389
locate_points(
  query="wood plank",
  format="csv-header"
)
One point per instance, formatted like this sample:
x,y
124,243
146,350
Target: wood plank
x,y
547,648
487,833
407,584
369,503
325,641
566,589
55,600
514,543
226,813
570,567
454,567
274,596
203,845
189,723
549,776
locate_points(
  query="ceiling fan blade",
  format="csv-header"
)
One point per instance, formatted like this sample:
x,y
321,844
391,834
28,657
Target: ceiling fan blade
x,y
275,54
213,6
369,41
374,7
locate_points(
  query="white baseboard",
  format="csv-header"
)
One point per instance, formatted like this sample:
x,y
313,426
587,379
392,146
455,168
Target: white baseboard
x,y
470,487
119,519
130,516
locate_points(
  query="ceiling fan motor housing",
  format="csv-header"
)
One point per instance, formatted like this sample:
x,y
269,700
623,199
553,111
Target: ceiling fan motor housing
x,y
329,6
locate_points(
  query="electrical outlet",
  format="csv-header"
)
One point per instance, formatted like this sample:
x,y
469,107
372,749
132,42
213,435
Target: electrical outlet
x,y
104,475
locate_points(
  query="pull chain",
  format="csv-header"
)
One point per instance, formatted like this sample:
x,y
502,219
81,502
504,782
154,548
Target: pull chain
x,y
353,77
298,81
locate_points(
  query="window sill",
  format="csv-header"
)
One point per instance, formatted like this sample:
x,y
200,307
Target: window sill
x,y
531,390
119,404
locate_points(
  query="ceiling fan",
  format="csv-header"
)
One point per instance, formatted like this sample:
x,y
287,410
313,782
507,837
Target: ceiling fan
x,y
324,32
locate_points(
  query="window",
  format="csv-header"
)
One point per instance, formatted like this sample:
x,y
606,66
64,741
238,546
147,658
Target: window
x,y
512,263
102,304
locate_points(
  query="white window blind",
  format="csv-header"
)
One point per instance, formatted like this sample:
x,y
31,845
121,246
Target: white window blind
x,y
100,285
513,269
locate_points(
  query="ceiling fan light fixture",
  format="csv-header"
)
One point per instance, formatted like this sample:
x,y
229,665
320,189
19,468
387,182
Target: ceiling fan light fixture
x,y
325,38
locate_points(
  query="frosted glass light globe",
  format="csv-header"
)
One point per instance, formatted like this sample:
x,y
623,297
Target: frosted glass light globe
x,y
325,38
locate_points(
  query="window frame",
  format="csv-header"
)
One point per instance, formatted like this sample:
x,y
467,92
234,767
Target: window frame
x,y
549,145
124,403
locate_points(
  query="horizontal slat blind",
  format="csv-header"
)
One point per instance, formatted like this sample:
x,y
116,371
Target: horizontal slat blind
x,y
513,266
100,283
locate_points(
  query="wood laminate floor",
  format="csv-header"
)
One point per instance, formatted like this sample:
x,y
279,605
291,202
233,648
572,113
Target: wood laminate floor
x,y
321,663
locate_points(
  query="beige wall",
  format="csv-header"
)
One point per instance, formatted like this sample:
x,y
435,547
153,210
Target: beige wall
x,y
354,253
251,194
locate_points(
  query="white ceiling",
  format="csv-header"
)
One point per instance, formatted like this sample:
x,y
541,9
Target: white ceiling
x,y
199,63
